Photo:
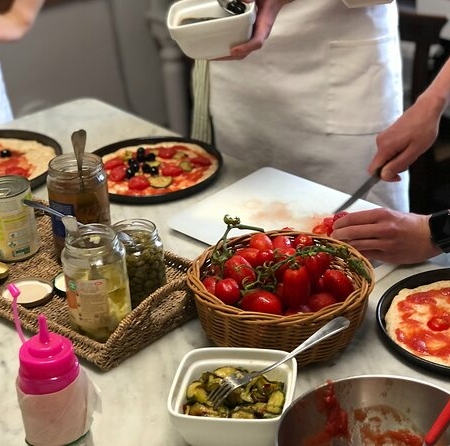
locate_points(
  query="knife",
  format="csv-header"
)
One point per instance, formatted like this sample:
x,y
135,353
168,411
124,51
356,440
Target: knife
x,y
362,190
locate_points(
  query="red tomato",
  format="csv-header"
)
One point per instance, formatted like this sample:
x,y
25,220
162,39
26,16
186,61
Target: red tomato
x,y
239,269
303,240
296,287
265,256
320,229
339,215
209,282
167,152
282,242
227,290
439,323
113,163
337,283
321,300
138,182
249,254
169,170
118,173
200,160
302,309
16,170
261,301
316,265
260,241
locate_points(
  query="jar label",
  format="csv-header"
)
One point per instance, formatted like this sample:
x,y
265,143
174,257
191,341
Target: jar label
x,y
88,303
66,209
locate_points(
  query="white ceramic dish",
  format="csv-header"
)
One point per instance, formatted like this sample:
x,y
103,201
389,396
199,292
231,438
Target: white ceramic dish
x,y
363,3
208,39
201,431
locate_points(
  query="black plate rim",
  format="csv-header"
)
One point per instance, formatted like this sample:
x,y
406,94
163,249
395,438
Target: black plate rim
x,y
162,198
27,135
385,301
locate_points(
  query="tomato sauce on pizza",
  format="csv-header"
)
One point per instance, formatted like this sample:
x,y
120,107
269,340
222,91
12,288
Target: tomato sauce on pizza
x,y
156,169
419,321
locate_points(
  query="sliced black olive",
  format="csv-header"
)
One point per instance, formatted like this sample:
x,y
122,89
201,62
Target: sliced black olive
x,y
150,156
236,7
154,170
129,173
140,154
5,153
146,168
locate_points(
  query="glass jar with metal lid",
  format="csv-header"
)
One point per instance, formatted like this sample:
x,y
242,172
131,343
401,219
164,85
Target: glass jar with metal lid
x,y
84,195
144,257
97,287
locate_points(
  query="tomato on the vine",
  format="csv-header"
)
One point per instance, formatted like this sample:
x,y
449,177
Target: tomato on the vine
x,y
337,283
282,242
303,240
249,254
228,291
261,301
296,287
209,282
321,300
260,241
239,269
316,265
265,256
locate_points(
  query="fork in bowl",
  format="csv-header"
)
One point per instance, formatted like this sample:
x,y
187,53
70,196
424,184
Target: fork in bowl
x,y
239,379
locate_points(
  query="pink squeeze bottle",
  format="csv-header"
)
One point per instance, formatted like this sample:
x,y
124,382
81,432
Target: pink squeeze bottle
x,y
54,393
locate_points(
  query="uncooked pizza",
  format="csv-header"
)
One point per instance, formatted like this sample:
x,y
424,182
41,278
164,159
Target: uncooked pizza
x,y
24,157
157,169
418,320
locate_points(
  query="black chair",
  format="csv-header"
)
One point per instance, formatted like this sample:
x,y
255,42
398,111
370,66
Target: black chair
x,y
424,31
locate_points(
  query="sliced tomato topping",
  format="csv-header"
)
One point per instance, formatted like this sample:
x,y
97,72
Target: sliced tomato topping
x,y
118,173
110,164
139,182
200,160
167,152
169,170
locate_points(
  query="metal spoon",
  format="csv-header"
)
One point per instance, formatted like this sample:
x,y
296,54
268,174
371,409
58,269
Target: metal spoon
x,y
233,7
79,144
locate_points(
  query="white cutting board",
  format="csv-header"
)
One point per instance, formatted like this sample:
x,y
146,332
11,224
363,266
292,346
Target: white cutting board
x,y
268,198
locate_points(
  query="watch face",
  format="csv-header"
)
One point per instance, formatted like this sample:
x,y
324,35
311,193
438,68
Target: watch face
x,y
440,229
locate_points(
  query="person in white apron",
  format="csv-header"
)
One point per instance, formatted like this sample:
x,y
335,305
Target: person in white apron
x,y
312,100
14,24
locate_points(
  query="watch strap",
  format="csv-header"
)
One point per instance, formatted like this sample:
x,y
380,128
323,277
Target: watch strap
x,y
439,224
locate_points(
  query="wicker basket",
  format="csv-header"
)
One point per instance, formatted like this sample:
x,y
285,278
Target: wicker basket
x,y
229,326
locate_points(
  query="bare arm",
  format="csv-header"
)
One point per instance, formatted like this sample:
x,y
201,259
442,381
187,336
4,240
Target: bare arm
x,y
267,11
15,23
386,235
415,131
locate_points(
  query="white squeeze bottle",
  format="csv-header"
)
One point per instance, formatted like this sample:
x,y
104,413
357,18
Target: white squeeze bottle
x,y
55,395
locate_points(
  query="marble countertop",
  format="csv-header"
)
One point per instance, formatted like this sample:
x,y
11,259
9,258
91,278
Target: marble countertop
x,y
134,394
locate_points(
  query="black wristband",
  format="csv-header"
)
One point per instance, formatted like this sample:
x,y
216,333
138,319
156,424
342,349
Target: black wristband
x,y
439,223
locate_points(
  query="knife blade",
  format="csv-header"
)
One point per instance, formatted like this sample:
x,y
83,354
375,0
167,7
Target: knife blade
x,y
361,191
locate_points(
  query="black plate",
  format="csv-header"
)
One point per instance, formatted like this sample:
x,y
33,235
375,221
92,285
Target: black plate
x,y
33,136
162,198
385,302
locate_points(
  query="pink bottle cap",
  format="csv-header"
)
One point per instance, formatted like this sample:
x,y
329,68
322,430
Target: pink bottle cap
x,y
47,362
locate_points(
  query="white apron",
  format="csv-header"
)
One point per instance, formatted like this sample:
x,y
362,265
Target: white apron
x,y
312,100
5,108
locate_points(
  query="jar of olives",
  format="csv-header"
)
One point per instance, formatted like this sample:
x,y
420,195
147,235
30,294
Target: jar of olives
x,y
97,288
144,258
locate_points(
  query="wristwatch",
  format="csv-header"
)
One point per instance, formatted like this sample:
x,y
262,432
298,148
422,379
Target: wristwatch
x,y
439,223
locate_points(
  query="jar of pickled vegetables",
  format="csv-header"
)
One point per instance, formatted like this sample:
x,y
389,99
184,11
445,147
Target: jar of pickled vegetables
x,y
144,258
97,287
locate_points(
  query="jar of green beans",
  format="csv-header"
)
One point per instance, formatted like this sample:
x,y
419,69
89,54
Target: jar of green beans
x,y
144,257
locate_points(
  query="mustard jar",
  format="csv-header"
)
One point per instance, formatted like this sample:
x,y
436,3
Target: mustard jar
x,y
97,287
144,257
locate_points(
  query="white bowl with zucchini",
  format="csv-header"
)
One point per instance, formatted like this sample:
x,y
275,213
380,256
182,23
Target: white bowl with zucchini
x,y
248,417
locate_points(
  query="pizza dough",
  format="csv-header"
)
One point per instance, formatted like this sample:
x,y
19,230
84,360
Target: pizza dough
x,y
419,321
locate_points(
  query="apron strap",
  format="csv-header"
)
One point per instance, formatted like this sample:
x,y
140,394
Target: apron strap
x,y
201,128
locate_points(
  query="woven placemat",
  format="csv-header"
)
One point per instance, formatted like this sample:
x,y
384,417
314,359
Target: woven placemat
x,y
167,308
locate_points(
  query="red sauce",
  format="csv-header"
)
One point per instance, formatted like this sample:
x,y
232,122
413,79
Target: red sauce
x,y
15,164
425,324
366,428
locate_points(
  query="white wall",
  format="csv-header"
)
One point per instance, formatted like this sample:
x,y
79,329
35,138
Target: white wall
x,y
81,48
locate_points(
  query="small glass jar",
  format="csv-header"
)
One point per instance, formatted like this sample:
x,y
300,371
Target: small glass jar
x,y
144,256
85,197
97,287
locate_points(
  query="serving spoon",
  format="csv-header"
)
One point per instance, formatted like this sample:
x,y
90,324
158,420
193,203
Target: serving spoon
x,y
233,7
